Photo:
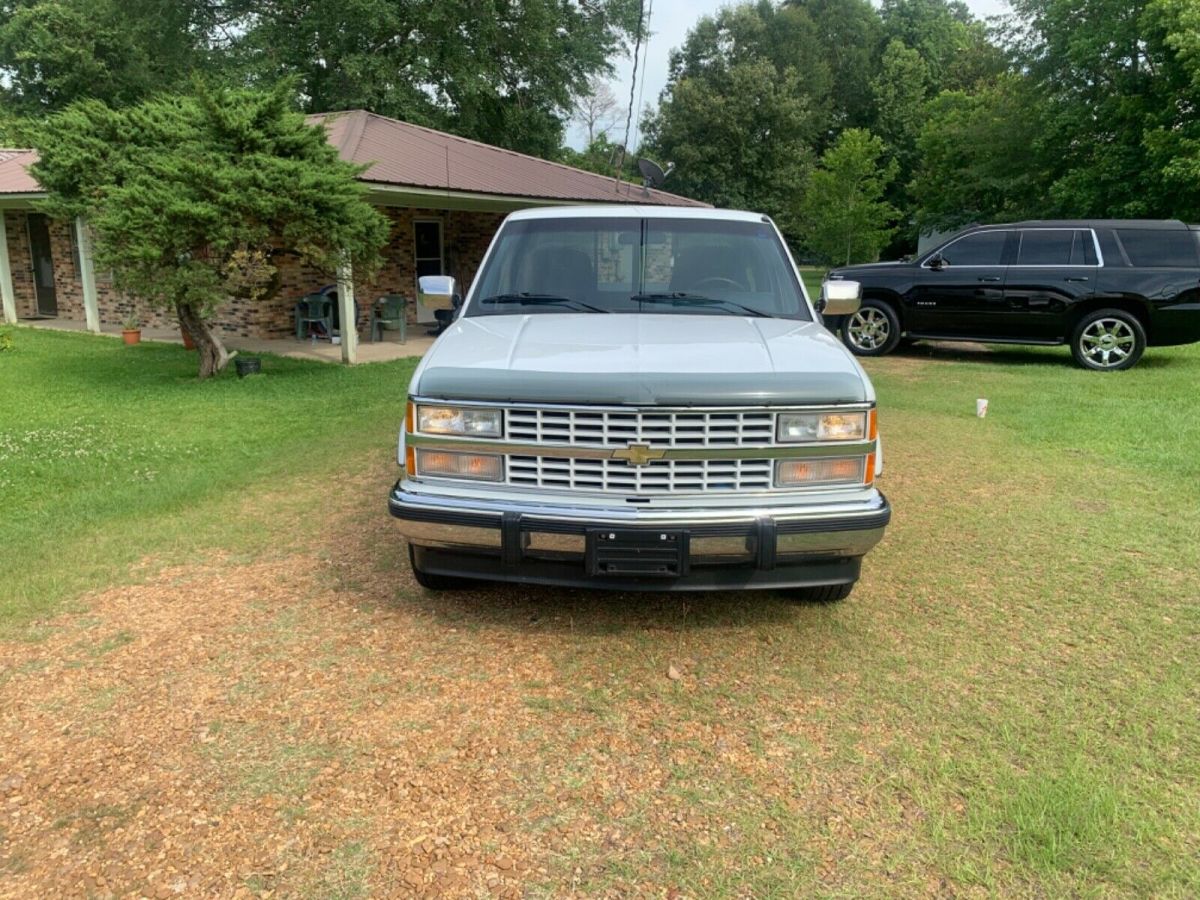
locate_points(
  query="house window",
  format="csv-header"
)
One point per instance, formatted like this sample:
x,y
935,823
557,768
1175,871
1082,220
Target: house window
x,y
428,256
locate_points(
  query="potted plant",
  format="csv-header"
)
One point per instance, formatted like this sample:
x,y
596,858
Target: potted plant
x,y
131,330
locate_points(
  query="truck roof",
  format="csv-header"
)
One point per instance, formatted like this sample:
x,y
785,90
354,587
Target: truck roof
x,y
636,211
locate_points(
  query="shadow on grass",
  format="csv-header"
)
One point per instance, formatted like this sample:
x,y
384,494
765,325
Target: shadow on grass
x,y
1014,355
521,607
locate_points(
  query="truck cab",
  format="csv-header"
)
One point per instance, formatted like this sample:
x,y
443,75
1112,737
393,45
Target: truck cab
x,y
640,398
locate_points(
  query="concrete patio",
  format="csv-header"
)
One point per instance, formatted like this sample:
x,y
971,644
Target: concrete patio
x,y
322,350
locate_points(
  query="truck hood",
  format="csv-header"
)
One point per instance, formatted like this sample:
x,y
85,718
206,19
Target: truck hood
x,y
643,359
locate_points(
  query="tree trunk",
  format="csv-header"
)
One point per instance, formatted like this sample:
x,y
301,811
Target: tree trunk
x,y
213,355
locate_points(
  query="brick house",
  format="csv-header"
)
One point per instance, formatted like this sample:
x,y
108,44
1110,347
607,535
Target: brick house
x,y
444,195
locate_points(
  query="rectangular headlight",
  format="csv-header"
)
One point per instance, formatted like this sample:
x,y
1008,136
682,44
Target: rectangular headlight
x,y
473,466
466,421
827,470
797,428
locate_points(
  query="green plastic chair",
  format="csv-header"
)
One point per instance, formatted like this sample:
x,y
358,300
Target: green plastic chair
x,y
390,313
314,309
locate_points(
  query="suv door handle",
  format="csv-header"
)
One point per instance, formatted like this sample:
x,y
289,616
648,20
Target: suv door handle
x,y
990,278
1077,278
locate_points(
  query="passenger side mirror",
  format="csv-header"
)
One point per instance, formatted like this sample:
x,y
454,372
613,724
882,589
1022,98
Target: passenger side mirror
x,y
839,298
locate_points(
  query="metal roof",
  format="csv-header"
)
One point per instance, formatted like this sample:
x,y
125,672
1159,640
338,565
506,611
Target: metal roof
x,y
405,155
14,173
400,155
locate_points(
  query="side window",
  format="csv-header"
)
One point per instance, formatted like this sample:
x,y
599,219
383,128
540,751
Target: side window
x,y
1165,249
985,248
1110,249
1046,247
1083,250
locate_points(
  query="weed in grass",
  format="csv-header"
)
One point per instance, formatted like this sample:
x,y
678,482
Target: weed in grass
x,y
347,875
1054,821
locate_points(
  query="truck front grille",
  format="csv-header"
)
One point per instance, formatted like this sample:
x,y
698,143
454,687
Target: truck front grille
x,y
618,428
657,477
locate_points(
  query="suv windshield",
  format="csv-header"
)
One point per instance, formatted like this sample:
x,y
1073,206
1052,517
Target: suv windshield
x,y
628,265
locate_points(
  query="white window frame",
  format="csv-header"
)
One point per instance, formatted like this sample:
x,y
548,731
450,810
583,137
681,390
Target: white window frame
x,y
423,315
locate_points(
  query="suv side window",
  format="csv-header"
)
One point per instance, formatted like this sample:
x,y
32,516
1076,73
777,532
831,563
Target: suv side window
x,y
985,248
1159,249
1056,247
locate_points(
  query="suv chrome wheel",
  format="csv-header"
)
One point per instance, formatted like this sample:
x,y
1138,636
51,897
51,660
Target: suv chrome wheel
x,y
1108,340
869,329
1107,343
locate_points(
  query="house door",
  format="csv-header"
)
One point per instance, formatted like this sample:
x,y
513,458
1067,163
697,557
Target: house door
x,y
43,265
428,256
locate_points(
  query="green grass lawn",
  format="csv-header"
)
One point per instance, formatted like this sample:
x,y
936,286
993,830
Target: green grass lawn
x,y
1007,705
812,276
109,454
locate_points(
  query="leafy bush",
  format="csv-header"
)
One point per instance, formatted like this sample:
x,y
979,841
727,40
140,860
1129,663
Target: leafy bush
x,y
6,339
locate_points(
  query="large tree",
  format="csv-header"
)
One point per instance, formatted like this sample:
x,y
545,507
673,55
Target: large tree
x,y
844,213
502,71
743,107
981,157
191,198
54,52
742,141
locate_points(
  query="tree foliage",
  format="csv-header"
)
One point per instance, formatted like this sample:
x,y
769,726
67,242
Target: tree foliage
x,y
844,213
193,197
505,71
54,52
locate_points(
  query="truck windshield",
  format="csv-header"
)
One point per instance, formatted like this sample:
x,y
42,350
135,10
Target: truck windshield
x,y
628,265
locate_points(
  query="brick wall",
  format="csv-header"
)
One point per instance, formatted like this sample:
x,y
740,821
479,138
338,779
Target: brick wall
x,y
465,238
465,235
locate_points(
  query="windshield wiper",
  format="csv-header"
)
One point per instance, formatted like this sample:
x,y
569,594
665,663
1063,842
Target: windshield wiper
x,y
685,299
525,298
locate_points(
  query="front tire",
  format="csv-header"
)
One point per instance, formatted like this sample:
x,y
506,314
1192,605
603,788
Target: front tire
x,y
1108,340
826,593
872,331
432,582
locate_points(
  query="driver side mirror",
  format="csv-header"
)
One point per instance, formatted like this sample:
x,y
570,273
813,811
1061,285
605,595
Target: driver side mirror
x,y
839,298
937,262
437,292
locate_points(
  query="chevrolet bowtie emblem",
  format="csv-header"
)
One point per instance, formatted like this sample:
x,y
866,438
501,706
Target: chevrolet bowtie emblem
x,y
639,454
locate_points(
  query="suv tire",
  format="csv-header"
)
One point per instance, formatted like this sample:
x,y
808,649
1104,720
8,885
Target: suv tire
x,y
432,582
1108,340
827,593
872,331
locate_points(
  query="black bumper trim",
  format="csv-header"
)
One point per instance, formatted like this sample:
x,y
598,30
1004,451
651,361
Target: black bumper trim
x,y
800,574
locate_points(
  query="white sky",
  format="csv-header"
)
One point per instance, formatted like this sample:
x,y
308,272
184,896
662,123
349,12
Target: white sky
x,y
669,25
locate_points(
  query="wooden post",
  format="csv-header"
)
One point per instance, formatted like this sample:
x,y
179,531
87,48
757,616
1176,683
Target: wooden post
x,y
87,275
346,317
6,282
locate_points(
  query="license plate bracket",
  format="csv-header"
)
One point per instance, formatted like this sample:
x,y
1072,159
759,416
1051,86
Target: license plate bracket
x,y
642,552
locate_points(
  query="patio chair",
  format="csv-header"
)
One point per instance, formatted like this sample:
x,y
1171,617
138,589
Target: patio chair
x,y
314,309
390,313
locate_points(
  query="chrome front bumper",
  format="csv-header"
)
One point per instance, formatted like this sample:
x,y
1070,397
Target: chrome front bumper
x,y
761,546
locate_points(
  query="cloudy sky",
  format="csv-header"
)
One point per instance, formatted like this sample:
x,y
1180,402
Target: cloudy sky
x,y
670,21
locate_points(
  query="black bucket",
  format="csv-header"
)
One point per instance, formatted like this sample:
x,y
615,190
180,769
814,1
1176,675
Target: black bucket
x,y
248,365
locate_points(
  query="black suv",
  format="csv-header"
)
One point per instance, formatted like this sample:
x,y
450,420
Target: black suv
x,y
1109,288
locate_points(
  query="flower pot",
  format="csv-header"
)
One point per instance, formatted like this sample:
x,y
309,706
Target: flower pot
x,y
248,365
131,336
188,343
